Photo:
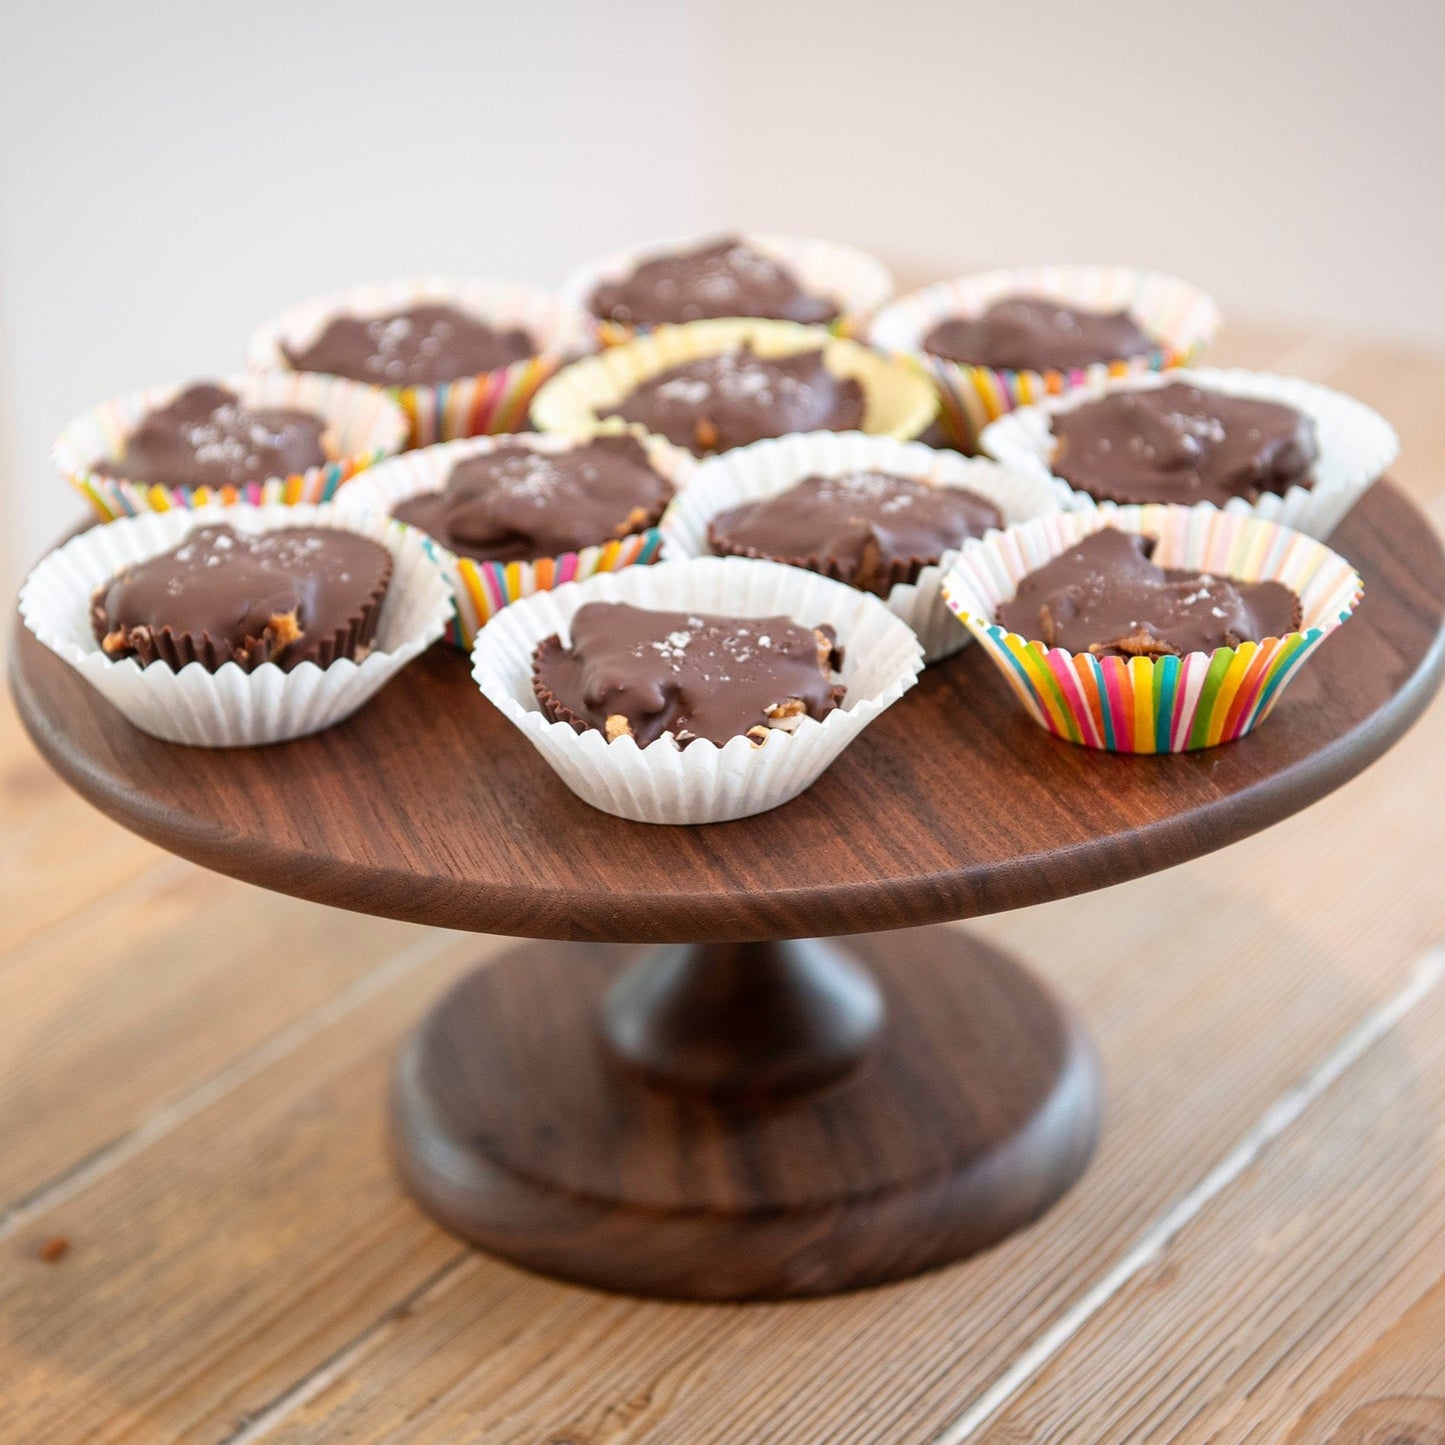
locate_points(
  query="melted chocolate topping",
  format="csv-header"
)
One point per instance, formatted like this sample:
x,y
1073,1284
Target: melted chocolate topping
x,y
725,278
632,671
421,346
290,596
1105,596
1032,333
869,529
515,504
719,402
205,437
1178,443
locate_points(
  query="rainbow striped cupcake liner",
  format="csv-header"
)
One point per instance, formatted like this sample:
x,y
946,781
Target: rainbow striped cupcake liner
x,y
857,280
1181,316
363,423
492,402
1356,444
1148,705
898,398
480,590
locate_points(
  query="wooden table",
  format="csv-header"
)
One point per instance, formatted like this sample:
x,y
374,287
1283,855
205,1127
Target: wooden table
x,y
203,1237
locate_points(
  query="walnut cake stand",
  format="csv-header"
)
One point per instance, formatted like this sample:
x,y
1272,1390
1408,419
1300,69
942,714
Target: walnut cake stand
x,y
698,1095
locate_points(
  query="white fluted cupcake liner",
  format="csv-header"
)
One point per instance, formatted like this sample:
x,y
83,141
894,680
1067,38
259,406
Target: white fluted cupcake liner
x,y
751,473
230,707
1154,704
1180,316
857,281
898,397
701,783
363,425
492,401
1356,444
481,589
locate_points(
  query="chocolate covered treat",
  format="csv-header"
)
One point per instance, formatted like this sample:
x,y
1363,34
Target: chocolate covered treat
x,y
420,346
1032,333
299,594
872,530
206,437
1180,443
724,278
719,402
515,504
1105,596
633,672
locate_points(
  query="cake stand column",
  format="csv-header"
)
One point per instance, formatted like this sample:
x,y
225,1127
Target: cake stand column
x,y
745,1121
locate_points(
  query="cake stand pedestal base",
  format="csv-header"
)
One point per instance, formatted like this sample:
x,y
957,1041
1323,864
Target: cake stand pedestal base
x,y
745,1121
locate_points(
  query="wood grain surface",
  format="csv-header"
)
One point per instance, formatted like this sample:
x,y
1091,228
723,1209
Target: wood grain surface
x,y
429,805
193,1086
976,1106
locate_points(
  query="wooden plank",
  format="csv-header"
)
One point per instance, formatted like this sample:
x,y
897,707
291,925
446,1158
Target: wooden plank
x,y
57,855
239,1250
1307,1304
152,996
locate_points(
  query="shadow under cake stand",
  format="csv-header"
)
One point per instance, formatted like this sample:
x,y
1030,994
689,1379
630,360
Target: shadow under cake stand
x,y
698,1095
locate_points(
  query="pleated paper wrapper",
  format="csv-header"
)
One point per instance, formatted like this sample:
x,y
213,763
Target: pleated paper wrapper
x,y
492,401
481,589
766,468
363,422
230,707
898,397
856,280
1180,316
1356,444
1154,705
701,783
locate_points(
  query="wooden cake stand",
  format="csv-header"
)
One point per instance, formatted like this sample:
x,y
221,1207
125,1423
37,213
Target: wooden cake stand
x,y
718,1114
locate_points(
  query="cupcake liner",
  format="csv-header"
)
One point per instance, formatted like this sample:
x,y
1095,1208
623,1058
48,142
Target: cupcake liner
x,y
481,589
490,402
898,398
748,474
857,280
1357,445
230,707
1181,316
364,422
701,783
1168,704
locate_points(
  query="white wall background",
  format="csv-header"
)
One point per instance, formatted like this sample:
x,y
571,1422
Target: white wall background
x,y
171,174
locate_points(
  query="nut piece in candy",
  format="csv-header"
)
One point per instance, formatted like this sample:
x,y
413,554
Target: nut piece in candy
x,y
1142,643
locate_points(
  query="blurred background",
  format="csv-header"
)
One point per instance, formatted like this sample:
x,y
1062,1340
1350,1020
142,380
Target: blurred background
x,y
171,175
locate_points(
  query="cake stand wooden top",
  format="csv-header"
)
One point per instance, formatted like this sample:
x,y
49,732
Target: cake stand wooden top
x,y
428,805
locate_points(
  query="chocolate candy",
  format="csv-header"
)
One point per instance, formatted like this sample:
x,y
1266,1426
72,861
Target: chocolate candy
x,y
420,346
724,278
1181,443
206,437
632,672
298,594
515,504
719,402
872,530
1105,596
1032,333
